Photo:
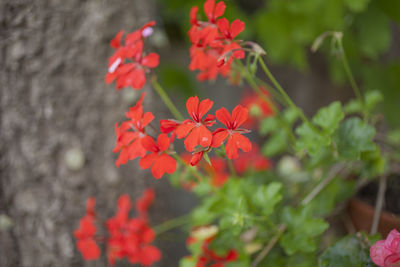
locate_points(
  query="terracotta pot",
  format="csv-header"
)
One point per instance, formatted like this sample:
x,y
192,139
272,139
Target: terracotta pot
x,y
362,214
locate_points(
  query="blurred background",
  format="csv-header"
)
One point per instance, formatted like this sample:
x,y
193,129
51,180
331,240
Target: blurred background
x,y
57,115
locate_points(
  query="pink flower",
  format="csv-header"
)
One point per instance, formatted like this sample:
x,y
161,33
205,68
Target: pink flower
x,y
386,253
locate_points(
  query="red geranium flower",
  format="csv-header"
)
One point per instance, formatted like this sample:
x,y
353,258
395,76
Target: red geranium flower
x,y
142,204
252,160
234,134
257,106
132,73
196,129
85,234
213,46
130,237
130,133
160,161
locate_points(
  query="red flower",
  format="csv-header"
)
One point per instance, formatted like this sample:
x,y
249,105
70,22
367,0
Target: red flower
x,y
213,11
160,161
130,237
253,160
234,134
130,133
133,73
209,257
196,129
143,203
85,234
257,106
213,45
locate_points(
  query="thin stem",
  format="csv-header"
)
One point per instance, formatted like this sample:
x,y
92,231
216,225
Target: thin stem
x,y
269,246
196,174
165,98
379,204
332,174
171,224
349,74
255,87
285,96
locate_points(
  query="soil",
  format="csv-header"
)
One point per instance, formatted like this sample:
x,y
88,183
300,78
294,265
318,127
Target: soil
x,y
392,195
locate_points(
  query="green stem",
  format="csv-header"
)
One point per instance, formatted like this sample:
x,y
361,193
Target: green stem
x,y
171,224
255,87
195,173
349,74
167,101
285,96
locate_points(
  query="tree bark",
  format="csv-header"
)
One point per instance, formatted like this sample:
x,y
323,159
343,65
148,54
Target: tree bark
x,y
57,124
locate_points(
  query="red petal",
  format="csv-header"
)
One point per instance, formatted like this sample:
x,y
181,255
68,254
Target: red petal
x,y
239,116
184,129
204,107
237,27
151,60
149,144
147,160
149,24
193,15
219,9
135,149
205,136
163,163
163,142
192,105
223,116
235,142
196,157
147,118
89,249
209,9
149,255
138,78
116,42
192,140
223,26
231,148
218,137
167,126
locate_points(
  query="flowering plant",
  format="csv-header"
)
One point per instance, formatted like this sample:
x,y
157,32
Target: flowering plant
x,y
263,206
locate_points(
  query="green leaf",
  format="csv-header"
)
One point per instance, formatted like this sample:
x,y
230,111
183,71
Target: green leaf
x,y
268,125
303,231
276,144
346,252
267,196
372,98
328,118
355,136
310,139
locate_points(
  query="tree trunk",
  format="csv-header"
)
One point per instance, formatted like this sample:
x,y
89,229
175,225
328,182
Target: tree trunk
x,y
57,124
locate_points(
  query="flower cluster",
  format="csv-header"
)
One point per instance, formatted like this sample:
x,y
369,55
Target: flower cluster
x,y
129,64
213,41
258,106
199,138
386,253
131,237
128,237
85,234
